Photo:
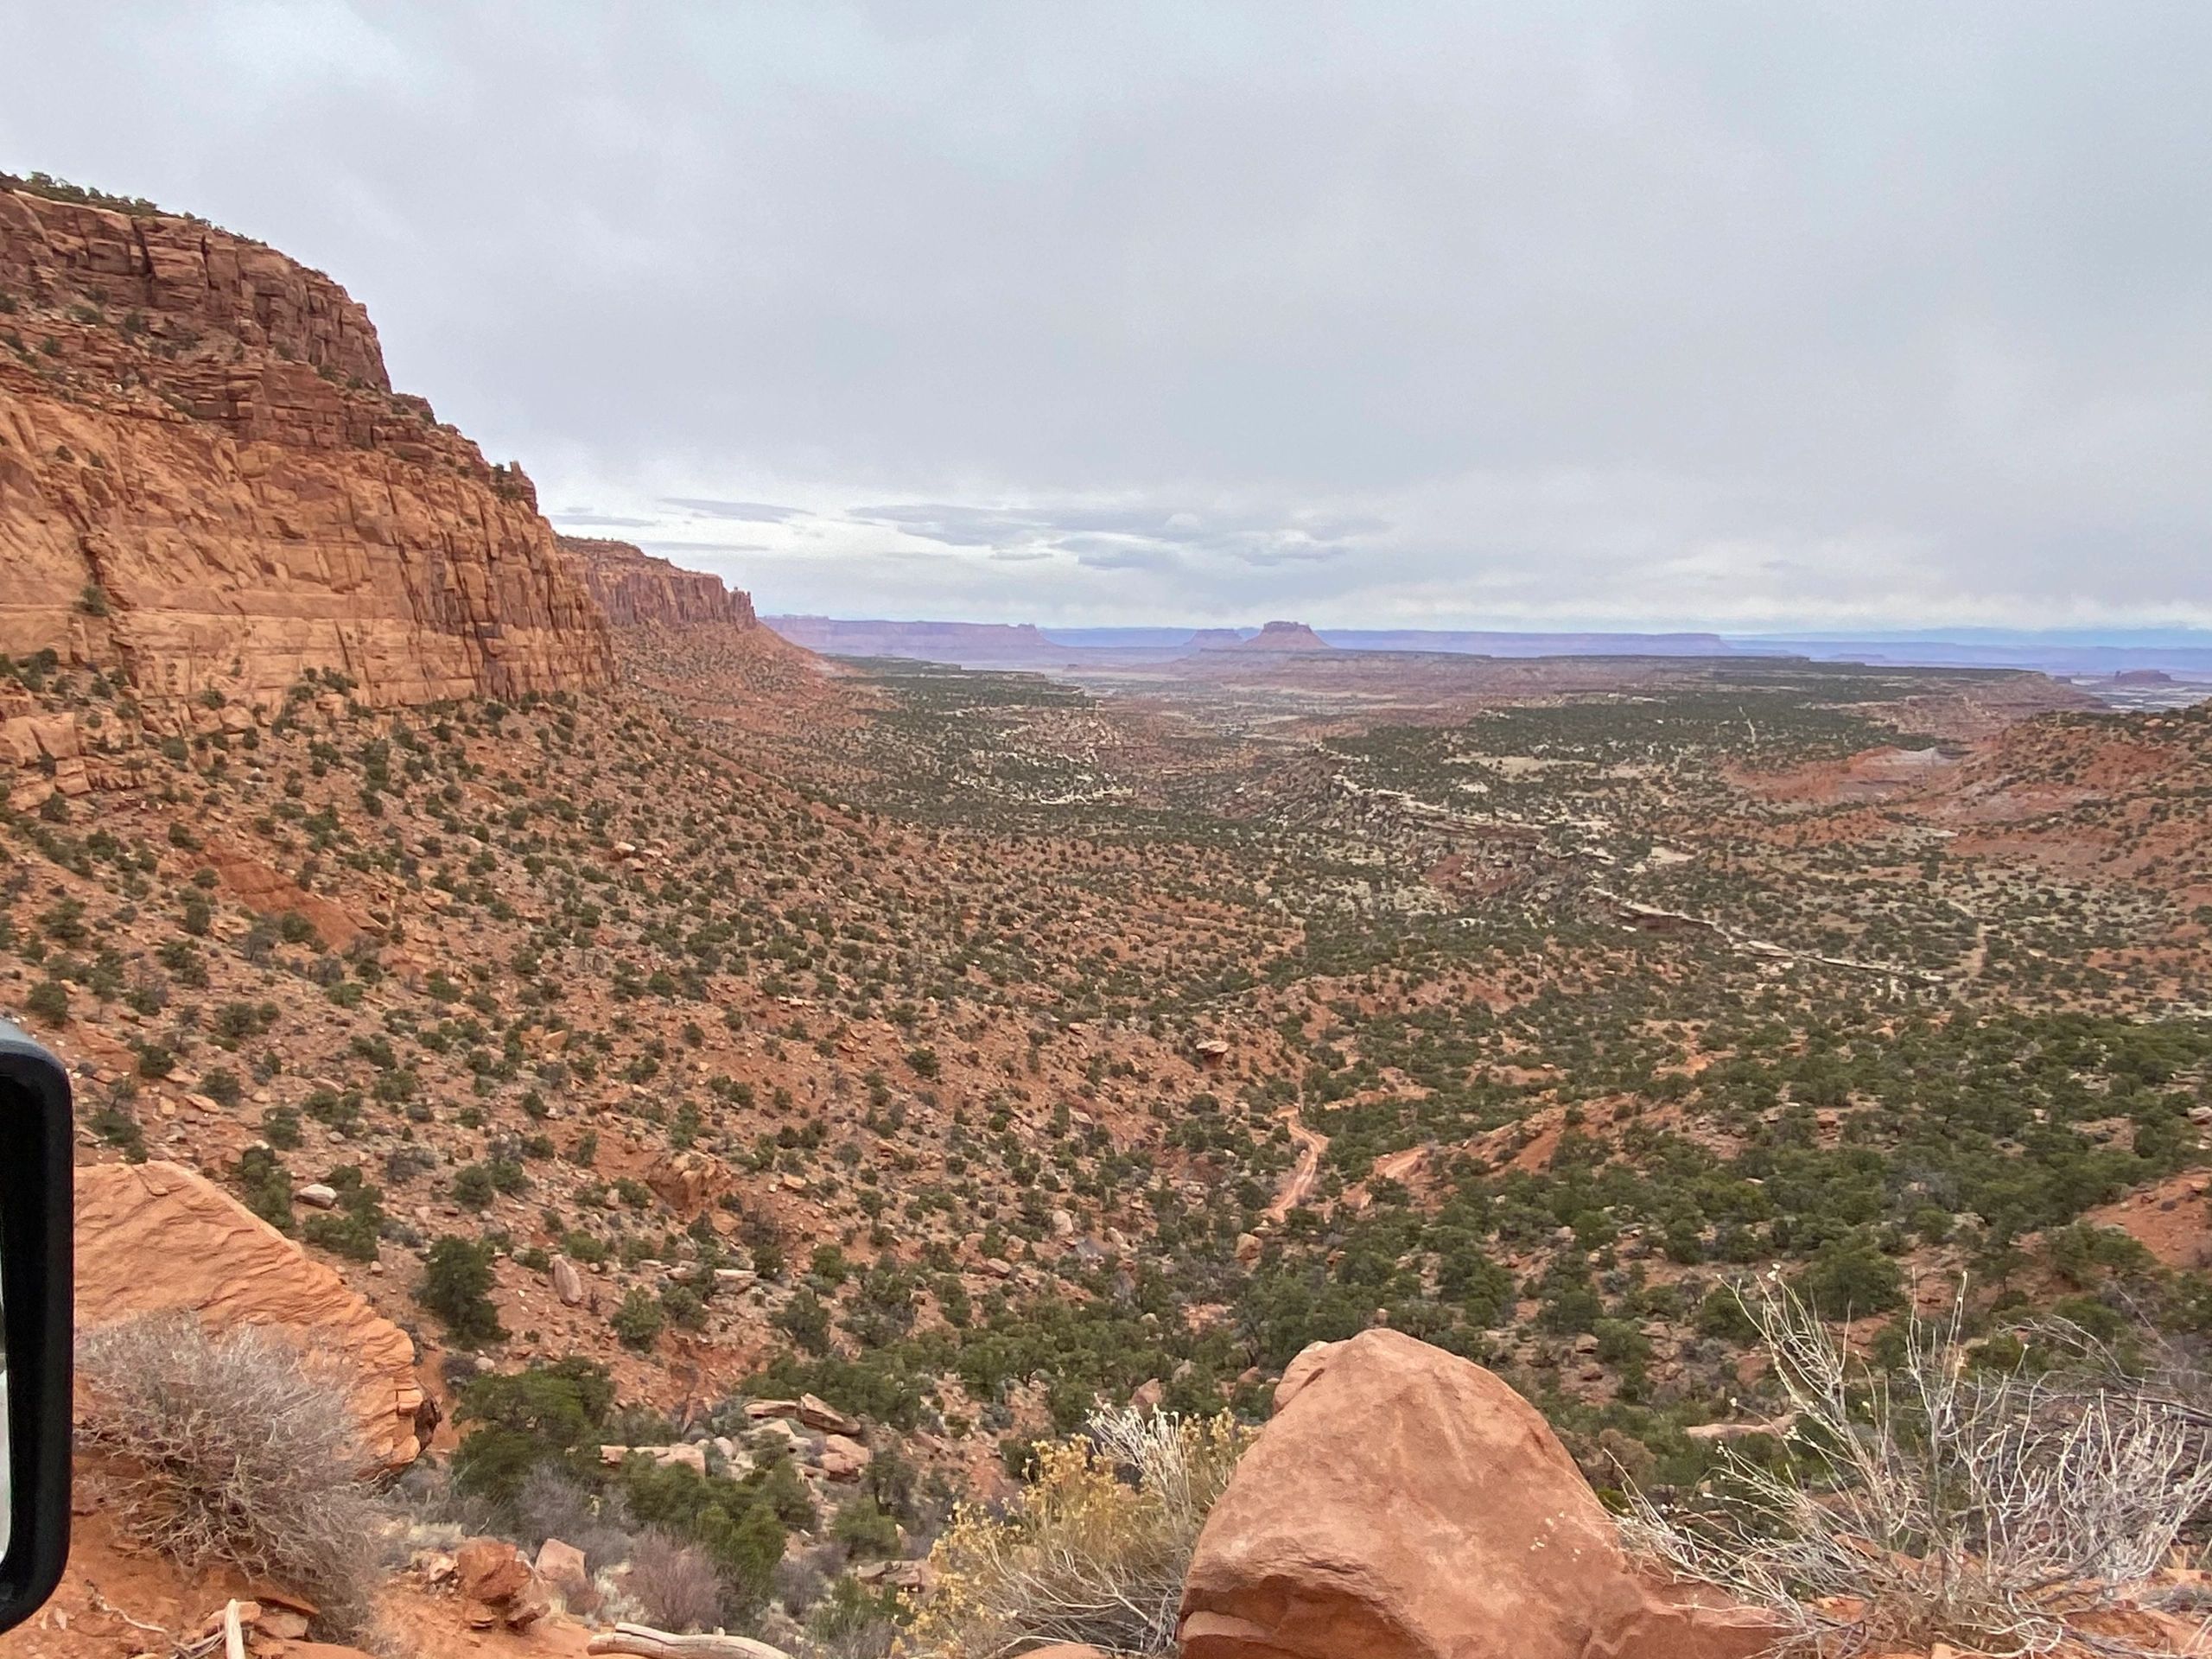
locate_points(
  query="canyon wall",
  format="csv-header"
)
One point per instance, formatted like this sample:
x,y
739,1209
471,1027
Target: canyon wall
x,y
637,590
207,483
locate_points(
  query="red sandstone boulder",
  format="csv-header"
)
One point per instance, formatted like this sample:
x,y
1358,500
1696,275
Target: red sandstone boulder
x,y
561,1569
1405,1503
499,1586
818,1412
688,1182
490,1569
156,1236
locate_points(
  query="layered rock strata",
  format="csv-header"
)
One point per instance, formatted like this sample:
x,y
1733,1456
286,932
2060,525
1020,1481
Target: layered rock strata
x,y
208,484
638,590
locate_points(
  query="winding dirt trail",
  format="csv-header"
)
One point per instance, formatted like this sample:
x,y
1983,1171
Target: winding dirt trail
x,y
1311,1143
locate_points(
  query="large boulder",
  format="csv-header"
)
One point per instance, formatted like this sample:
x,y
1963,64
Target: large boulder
x,y
1405,1503
153,1235
562,1568
489,1570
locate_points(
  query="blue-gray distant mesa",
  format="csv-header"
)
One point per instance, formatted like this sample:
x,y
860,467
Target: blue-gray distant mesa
x,y
1719,315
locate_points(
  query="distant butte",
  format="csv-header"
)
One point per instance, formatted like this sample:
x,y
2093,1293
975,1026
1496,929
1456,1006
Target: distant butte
x,y
1215,638
1284,636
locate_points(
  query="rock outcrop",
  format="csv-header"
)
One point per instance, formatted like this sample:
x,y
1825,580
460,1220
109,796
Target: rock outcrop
x,y
1405,1503
498,1586
206,481
155,1235
638,590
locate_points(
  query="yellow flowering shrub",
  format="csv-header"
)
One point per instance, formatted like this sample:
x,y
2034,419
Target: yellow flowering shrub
x,y
1095,1549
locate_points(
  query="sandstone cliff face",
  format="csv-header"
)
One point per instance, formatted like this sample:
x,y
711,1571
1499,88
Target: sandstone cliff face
x,y
637,590
206,481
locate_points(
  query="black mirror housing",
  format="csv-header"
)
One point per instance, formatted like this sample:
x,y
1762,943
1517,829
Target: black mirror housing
x,y
37,1284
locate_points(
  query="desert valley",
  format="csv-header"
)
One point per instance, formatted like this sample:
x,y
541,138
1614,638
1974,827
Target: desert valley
x,y
743,1102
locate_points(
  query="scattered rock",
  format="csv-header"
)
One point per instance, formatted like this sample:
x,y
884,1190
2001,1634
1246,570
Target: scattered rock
x,y
844,1458
318,1196
528,1605
561,1566
567,1283
818,1413
282,1623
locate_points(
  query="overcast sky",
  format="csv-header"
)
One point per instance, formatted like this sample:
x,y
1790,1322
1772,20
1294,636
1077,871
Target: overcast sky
x,y
1757,315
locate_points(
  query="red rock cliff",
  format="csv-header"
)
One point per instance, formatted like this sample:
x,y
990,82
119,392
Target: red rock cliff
x,y
205,480
634,588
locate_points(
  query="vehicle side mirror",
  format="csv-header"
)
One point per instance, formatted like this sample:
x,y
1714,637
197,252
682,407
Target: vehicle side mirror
x,y
36,1287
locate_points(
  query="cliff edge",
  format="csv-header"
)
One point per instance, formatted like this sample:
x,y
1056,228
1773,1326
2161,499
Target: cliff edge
x,y
638,590
208,483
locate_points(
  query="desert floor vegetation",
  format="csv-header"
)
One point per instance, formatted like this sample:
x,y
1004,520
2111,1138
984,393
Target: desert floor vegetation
x,y
235,1449
1974,1494
1093,1550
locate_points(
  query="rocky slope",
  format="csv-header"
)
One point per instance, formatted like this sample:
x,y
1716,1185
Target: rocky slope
x,y
207,483
637,590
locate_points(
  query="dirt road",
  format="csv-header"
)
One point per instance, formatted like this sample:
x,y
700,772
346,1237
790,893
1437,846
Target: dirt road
x,y
1311,1143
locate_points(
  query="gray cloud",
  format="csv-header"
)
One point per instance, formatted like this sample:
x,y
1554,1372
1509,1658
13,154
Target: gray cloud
x,y
568,519
751,511
1615,313
678,550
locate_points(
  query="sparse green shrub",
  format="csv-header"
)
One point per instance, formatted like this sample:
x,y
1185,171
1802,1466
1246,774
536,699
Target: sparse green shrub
x,y
354,1229
549,1412
456,1286
805,1321
266,1186
638,1322
472,1187
50,1001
